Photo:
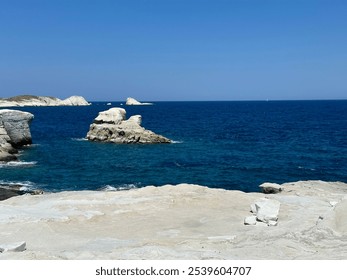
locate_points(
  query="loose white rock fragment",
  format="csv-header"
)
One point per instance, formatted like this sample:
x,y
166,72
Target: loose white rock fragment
x,y
272,223
250,220
267,210
333,203
13,247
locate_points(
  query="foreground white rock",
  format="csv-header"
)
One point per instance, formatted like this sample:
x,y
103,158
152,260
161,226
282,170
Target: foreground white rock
x,y
32,100
266,210
177,222
112,126
13,247
133,101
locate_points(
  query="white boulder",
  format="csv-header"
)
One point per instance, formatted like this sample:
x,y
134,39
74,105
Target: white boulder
x,y
267,210
271,188
250,220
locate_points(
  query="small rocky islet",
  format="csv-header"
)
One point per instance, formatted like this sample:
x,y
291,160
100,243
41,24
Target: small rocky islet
x,y
112,126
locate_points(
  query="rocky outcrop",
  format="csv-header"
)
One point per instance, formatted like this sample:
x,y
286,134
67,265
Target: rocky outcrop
x,y
112,126
14,132
32,100
11,190
270,188
133,101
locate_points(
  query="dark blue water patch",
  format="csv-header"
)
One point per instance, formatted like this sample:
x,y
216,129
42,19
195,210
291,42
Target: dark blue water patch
x,y
231,145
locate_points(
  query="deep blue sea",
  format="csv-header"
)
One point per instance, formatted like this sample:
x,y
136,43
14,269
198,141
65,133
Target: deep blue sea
x,y
230,145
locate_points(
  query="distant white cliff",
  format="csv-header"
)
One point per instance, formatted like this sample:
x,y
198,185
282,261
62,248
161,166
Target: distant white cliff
x,y
132,101
32,100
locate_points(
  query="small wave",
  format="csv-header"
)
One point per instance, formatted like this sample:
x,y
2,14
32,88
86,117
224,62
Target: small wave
x,y
33,145
176,142
79,139
20,164
124,187
306,168
26,185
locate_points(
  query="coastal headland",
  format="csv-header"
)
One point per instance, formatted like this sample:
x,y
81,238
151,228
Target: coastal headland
x,y
178,222
33,100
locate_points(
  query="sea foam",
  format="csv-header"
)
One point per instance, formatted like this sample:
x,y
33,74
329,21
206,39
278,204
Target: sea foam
x,y
123,187
17,164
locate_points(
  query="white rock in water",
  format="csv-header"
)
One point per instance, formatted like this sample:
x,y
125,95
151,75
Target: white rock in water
x,y
14,132
267,210
111,126
13,247
74,101
133,101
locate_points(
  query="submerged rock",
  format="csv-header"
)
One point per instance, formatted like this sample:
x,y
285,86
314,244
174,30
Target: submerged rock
x,y
14,132
112,126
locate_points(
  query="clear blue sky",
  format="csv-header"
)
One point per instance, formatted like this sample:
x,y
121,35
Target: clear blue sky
x,y
174,49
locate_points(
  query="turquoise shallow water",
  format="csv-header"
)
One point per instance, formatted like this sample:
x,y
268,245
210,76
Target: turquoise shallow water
x,y
231,145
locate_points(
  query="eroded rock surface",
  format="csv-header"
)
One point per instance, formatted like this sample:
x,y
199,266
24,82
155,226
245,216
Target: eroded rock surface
x,y
177,222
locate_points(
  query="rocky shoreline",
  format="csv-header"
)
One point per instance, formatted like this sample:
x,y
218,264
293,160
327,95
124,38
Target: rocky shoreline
x,y
7,191
177,222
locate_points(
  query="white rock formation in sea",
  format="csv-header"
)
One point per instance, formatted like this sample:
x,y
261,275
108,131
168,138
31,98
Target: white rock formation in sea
x,y
32,100
112,126
14,132
133,101
177,222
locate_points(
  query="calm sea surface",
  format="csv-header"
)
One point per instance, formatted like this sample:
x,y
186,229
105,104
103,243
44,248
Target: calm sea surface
x,y
231,145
